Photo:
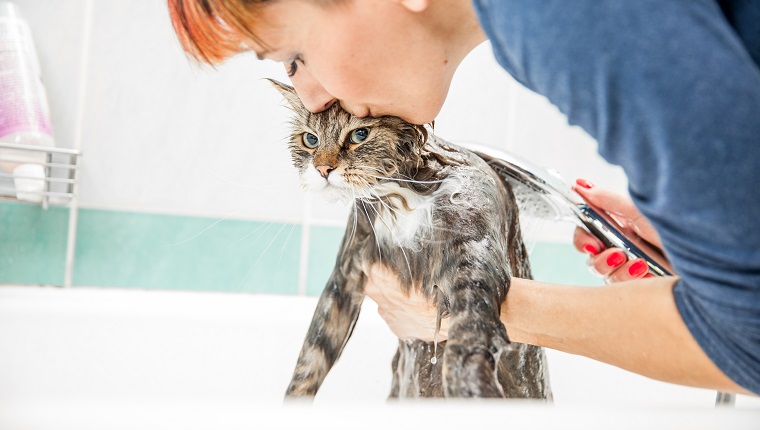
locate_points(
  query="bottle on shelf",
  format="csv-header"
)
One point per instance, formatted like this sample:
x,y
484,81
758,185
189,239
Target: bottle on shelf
x,y
24,111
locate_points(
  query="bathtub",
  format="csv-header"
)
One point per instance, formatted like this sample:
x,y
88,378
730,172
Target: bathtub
x,y
116,358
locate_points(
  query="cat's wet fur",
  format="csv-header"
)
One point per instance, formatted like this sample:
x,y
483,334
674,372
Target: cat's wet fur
x,y
446,224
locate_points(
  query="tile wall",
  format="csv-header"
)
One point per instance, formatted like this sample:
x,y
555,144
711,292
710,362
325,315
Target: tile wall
x,y
186,182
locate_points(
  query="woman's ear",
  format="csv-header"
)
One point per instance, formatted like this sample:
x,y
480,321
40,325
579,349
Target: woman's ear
x,y
414,5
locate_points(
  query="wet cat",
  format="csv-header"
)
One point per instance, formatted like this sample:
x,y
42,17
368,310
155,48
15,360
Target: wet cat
x,y
445,223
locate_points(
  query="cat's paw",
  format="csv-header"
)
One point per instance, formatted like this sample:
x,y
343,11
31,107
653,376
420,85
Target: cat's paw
x,y
470,372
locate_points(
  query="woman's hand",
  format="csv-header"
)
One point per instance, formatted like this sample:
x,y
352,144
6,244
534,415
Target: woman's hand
x,y
613,263
410,316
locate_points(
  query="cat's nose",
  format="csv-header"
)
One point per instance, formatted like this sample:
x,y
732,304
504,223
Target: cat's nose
x,y
324,170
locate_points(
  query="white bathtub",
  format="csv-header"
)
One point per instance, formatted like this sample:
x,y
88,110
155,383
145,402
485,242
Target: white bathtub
x,y
109,358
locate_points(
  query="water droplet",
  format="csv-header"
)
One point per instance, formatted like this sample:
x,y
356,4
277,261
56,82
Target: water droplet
x,y
435,347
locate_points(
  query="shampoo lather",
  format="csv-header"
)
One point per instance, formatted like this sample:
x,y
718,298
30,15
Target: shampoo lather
x,y
24,111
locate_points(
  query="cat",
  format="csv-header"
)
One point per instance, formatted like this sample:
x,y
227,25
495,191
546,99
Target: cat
x,y
440,218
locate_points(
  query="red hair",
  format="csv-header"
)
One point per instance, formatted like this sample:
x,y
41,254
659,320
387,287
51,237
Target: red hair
x,y
211,31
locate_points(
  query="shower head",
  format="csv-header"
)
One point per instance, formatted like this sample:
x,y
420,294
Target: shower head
x,y
542,193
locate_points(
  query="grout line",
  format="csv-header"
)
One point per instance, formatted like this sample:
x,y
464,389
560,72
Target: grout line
x,y
303,260
231,215
84,62
320,222
84,66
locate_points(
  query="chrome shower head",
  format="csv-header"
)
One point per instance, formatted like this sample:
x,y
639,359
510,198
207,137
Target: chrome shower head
x,y
543,194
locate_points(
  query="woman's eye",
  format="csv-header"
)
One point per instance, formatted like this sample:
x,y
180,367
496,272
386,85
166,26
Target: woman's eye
x,y
310,141
359,135
292,68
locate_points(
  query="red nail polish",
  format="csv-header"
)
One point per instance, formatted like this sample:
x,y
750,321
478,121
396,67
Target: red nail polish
x,y
649,275
584,183
616,259
590,249
638,268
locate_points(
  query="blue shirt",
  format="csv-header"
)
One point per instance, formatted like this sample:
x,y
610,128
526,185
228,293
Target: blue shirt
x,y
671,92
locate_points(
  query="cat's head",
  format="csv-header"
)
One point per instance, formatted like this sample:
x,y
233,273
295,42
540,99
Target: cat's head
x,y
345,157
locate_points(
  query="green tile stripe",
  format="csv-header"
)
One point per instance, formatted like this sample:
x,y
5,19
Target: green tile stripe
x,y
123,249
153,251
560,263
551,262
139,250
32,243
324,243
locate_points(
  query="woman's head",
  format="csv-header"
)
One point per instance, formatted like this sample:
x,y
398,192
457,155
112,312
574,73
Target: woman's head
x,y
377,57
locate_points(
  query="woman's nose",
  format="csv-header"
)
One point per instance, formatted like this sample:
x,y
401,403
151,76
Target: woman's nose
x,y
312,94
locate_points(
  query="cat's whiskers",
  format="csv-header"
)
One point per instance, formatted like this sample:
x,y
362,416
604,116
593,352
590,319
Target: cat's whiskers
x,y
255,230
377,241
398,242
362,167
412,181
375,195
353,233
358,186
390,177
395,212
282,252
210,226
384,174
261,255
400,214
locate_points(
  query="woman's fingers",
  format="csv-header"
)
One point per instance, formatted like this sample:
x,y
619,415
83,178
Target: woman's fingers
x,y
615,266
409,316
621,208
634,269
585,242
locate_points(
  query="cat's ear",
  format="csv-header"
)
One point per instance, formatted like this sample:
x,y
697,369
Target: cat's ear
x,y
289,93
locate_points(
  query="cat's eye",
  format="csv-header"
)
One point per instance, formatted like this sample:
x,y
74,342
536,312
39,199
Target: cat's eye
x,y
359,135
310,141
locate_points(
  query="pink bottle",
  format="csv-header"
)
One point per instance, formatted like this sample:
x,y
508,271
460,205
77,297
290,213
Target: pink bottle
x,y
24,111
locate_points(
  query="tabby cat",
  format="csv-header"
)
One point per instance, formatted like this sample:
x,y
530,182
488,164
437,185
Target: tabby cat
x,y
445,223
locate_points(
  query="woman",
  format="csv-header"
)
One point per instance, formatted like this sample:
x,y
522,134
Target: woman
x,y
670,91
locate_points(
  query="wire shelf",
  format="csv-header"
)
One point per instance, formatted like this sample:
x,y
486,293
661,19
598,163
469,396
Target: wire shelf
x,y
62,167
61,173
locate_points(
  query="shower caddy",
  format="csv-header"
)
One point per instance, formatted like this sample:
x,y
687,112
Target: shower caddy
x,y
61,179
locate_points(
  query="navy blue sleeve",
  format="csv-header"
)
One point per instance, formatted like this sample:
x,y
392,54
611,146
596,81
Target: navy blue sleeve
x,y
670,91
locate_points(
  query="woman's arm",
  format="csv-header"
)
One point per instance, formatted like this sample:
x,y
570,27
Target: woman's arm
x,y
632,325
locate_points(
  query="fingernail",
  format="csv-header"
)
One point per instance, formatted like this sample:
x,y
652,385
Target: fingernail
x,y
638,268
590,249
616,259
584,183
649,275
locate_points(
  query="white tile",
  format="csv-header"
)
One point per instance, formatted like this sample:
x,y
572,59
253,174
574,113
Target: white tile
x,y
543,136
167,135
476,109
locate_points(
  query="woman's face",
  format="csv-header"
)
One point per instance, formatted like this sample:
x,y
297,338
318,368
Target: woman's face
x,y
376,57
